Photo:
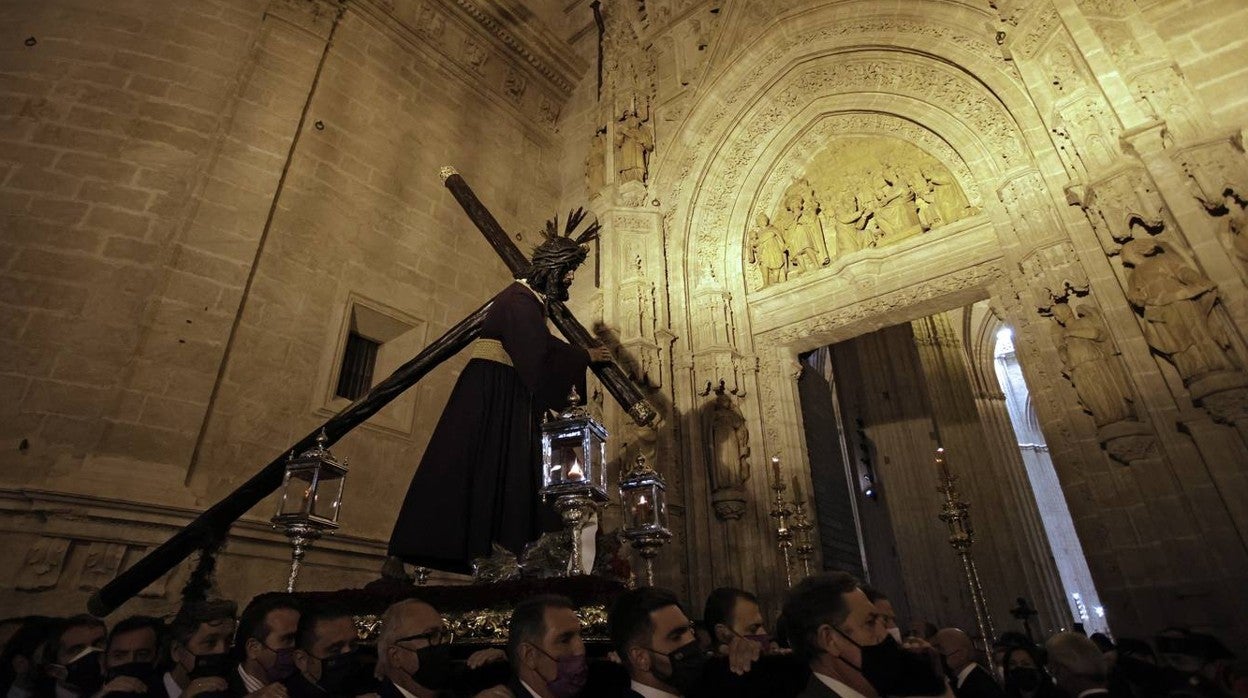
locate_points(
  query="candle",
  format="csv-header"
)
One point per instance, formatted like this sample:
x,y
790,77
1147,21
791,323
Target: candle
x,y
775,466
643,511
797,489
575,472
940,461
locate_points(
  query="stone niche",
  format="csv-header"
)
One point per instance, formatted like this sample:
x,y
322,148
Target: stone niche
x,y
857,193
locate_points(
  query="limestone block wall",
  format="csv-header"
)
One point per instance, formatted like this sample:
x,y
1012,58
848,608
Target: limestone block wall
x,y
195,194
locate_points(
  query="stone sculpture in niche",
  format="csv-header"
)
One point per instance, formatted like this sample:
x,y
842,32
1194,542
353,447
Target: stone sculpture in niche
x,y
1091,363
633,145
726,450
768,251
1177,304
595,163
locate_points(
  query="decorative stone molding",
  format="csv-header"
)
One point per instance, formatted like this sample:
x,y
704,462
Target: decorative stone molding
x,y
924,80
676,175
468,41
546,54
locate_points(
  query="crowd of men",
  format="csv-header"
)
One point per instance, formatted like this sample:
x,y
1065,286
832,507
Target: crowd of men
x,y
833,638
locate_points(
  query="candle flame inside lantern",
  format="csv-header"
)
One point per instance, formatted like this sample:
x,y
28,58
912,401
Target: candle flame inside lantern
x,y
575,472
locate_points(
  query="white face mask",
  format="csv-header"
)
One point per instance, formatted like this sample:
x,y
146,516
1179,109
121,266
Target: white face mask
x,y
896,633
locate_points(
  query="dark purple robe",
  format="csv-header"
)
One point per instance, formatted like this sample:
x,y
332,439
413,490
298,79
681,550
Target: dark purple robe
x,y
478,480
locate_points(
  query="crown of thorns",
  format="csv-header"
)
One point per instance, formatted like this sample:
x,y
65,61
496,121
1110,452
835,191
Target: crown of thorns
x,y
561,249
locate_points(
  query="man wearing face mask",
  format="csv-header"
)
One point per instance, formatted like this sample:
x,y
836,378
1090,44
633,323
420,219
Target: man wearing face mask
x,y
325,654
265,646
413,652
830,623
201,636
130,658
656,643
736,623
970,680
73,657
884,607
545,648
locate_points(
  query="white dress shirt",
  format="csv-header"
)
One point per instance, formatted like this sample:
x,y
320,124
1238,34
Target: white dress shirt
x,y
251,683
966,671
172,687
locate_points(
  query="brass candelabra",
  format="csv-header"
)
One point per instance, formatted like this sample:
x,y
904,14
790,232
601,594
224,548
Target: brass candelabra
x,y
802,527
781,511
956,514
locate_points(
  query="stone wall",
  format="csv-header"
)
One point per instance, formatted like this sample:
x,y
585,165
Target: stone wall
x,y
196,194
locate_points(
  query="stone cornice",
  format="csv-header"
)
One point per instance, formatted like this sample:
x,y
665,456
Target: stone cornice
x,y
553,58
145,523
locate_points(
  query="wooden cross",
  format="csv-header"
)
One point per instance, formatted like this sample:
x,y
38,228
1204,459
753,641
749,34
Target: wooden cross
x,y
612,376
215,522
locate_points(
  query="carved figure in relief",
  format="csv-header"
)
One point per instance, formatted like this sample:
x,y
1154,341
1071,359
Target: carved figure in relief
x,y
633,145
1091,363
950,202
896,212
1177,303
850,220
804,233
595,162
725,445
769,251
474,54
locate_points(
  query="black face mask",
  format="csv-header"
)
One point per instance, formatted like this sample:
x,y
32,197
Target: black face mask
x,y
435,667
211,665
893,671
688,661
84,673
342,675
1023,679
143,671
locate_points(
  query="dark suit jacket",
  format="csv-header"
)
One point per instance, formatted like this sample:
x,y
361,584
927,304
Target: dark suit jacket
x,y
979,684
817,689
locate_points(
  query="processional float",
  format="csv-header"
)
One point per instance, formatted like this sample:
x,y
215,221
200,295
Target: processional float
x,y
211,526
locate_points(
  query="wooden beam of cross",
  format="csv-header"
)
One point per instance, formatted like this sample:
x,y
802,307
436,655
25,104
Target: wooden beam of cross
x,y
613,378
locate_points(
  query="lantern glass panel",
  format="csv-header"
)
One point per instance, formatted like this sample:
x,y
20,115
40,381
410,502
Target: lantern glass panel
x,y
566,459
328,498
300,495
645,506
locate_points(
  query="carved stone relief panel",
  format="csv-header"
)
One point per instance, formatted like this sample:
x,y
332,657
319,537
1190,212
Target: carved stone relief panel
x,y
1089,126
858,193
1122,205
1165,95
923,80
1218,175
726,110
42,566
102,563
1026,199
